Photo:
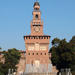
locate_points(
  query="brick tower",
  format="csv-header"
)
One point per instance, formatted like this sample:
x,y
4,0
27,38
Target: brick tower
x,y
37,57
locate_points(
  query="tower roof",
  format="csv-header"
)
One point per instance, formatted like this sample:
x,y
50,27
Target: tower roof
x,y
36,3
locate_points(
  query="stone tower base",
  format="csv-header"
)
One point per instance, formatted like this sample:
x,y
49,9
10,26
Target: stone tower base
x,y
40,74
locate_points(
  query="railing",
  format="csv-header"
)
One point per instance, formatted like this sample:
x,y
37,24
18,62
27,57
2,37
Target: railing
x,y
36,10
37,23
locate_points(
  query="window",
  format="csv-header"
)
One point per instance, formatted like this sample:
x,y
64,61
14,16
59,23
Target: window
x,y
32,53
36,16
39,37
43,47
44,37
37,46
28,53
36,9
34,37
45,53
29,37
41,53
36,53
31,47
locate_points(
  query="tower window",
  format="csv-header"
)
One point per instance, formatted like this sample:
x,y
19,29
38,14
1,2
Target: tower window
x,y
36,16
34,37
44,37
39,37
41,53
47,37
28,53
36,53
37,46
45,53
32,53
29,37
36,8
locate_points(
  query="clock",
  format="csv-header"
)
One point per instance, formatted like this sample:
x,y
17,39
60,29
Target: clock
x,y
37,29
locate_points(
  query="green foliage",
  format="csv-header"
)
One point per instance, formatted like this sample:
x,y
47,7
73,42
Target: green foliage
x,y
63,53
1,73
12,57
55,42
1,69
72,41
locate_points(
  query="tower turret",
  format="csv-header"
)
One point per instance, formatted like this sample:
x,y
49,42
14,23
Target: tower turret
x,y
36,5
36,23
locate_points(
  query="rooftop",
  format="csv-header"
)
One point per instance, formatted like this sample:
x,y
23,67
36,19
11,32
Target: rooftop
x,y
36,3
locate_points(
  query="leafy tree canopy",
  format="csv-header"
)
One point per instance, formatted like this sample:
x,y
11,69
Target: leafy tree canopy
x,y
12,57
63,53
55,42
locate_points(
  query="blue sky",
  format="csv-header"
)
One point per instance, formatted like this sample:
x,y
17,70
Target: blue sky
x,y
16,15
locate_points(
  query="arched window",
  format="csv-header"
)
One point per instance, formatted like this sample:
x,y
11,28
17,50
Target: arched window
x,y
36,46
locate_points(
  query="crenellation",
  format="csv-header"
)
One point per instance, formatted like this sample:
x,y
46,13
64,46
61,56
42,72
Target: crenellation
x,y
36,37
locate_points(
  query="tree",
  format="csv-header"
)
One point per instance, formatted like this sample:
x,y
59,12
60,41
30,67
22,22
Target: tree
x,y
12,57
55,42
63,55
1,73
1,69
72,46
72,43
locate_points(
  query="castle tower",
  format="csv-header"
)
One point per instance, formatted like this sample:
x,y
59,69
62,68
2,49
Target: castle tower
x,y
37,44
36,24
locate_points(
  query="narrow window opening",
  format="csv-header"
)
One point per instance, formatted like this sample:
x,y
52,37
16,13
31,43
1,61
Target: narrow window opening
x,y
32,53
36,53
41,53
28,53
45,53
